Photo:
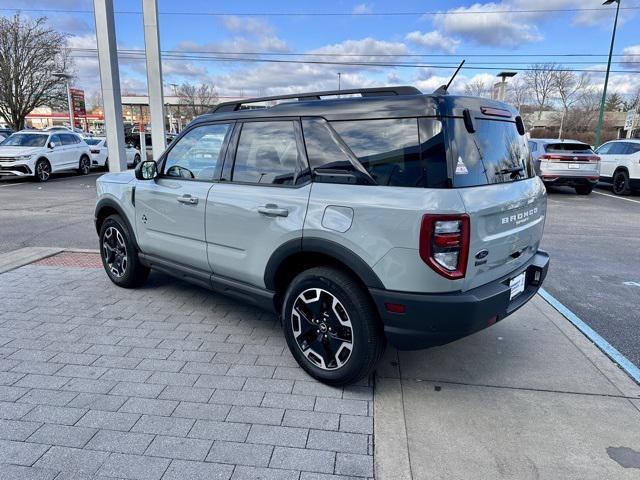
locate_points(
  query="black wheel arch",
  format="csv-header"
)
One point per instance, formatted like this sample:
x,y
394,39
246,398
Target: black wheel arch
x,y
295,256
106,207
620,168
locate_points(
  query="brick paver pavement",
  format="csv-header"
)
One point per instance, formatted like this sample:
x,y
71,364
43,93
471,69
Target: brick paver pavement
x,y
169,381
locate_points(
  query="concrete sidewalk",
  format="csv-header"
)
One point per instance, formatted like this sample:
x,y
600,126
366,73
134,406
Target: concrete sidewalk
x,y
528,398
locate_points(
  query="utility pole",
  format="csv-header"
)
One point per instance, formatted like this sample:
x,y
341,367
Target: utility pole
x,y
606,77
110,79
339,77
154,76
67,78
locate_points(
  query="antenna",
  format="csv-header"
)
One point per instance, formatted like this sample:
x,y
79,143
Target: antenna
x,y
443,89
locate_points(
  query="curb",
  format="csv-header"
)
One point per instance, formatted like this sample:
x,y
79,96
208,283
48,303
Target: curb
x,y
25,256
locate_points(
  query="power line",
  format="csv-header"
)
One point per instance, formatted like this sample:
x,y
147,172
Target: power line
x,y
138,56
329,14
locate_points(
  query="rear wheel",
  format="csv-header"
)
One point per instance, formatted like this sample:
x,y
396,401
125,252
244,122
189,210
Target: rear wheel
x,y
136,160
331,326
584,189
621,183
119,254
43,170
84,167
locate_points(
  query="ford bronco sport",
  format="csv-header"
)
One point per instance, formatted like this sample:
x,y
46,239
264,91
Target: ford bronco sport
x,y
380,215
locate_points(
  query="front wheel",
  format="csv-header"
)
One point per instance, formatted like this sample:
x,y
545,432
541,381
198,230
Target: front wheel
x,y
331,326
621,183
136,160
84,167
43,170
584,189
119,254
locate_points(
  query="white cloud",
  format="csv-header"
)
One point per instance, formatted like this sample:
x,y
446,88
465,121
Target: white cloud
x,y
362,8
434,41
363,50
631,54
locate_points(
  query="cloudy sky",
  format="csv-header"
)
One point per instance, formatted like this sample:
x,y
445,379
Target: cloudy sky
x,y
427,37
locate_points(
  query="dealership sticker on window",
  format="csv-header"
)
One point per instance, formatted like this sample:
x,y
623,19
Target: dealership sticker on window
x,y
461,168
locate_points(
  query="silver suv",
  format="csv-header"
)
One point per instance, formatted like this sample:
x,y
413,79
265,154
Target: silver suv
x,y
385,216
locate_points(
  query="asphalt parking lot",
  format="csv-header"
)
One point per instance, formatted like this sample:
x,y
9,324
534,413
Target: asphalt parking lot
x,y
593,241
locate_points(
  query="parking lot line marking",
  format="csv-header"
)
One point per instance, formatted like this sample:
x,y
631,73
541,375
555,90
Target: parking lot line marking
x,y
587,331
12,184
615,196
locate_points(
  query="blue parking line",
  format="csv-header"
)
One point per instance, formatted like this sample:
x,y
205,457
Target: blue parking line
x,y
606,347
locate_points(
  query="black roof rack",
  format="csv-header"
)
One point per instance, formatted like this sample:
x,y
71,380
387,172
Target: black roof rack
x,y
365,92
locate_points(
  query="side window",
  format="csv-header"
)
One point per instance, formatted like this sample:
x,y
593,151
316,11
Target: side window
x,y
56,139
433,155
323,146
633,148
387,149
603,149
267,153
197,153
617,148
66,139
533,146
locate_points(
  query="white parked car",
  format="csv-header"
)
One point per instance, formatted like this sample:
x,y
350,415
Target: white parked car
x,y
100,153
39,154
620,165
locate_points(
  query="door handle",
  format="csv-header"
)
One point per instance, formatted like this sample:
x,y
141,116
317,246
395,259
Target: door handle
x,y
271,210
188,199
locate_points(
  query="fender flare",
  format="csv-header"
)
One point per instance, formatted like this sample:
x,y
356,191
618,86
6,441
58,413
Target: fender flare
x,y
112,204
326,247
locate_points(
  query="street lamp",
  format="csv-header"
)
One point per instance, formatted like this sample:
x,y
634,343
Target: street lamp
x,y
68,77
606,77
500,88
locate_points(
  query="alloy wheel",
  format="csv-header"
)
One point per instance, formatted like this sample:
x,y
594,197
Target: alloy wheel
x,y
114,251
322,328
43,170
619,183
85,167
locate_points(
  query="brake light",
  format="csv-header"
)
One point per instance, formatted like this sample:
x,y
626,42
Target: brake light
x,y
570,158
444,244
495,112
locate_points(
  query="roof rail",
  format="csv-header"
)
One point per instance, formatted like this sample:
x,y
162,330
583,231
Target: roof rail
x,y
365,92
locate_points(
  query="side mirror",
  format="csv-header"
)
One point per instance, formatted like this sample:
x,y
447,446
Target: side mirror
x,y
52,145
147,170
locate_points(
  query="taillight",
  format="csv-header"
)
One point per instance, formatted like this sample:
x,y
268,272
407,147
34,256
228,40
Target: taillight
x,y
569,158
444,244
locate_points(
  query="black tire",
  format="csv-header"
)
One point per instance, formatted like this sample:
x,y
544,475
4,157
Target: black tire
x,y
43,170
106,164
621,183
131,274
136,160
84,166
584,189
367,338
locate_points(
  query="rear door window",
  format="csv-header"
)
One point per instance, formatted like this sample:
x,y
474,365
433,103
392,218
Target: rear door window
x,y
67,139
267,153
633,148
495,153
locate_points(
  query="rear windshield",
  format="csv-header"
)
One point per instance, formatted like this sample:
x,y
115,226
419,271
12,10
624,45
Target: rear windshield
x,y
568,147
92,141
495,153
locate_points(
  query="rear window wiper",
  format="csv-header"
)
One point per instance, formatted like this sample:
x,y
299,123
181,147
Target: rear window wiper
x,y
504,171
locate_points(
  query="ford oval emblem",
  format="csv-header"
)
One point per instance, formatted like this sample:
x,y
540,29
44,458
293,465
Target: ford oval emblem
x,y
482,254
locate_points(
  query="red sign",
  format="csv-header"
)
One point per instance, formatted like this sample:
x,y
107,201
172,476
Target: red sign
x,y
79,108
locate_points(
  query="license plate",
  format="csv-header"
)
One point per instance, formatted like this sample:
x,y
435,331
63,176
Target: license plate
x,y
517,285
574,166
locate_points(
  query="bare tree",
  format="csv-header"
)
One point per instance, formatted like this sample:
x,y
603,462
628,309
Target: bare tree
x,y
197,99
519,93
614,103
95,101
30,53
541,79
477,88
632,102
570,88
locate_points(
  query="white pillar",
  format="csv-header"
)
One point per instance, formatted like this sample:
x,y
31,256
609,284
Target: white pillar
x,y
110,79
154,76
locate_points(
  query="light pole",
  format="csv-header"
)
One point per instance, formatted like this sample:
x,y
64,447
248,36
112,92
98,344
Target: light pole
x,y
68,77
339,78
606,77
500,88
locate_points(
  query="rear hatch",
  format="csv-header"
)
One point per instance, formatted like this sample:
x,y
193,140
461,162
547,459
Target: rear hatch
x,y
566,158
505,201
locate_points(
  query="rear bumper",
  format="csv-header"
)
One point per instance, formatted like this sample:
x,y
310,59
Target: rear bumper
x,y
568,180
436,319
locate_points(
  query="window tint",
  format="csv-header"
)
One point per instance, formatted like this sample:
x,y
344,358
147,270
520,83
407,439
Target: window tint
x,y
633,148
568,147
56,139
267,153
68,139
323,146
495,153
92,141
197,153
617,148
387,149
25,140
433,155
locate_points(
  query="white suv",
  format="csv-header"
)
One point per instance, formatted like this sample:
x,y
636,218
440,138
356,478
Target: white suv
x,y
40,153
620,165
